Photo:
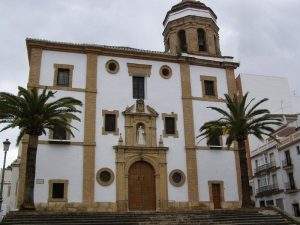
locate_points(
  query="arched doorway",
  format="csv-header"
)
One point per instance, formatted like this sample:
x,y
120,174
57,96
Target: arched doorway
x,y
141,187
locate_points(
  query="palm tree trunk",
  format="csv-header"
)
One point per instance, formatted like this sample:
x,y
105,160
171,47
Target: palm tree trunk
x,y
28,200
246,199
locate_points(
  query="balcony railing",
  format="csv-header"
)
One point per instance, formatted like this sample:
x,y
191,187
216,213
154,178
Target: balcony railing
x,y
287,163
291,139
267,190
290,186
265,167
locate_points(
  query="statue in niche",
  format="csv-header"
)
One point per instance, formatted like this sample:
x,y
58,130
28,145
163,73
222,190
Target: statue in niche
x,y
141,135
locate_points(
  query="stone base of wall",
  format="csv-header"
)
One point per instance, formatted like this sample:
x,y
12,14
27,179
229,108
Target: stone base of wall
x,y
112,207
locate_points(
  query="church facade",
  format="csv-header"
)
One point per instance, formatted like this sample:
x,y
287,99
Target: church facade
x,y
136,147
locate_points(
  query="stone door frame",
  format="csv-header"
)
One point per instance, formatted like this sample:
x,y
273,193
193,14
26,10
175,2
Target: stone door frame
x,y
127,156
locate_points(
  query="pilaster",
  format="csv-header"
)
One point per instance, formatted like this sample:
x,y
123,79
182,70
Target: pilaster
x,y
89,130
188,119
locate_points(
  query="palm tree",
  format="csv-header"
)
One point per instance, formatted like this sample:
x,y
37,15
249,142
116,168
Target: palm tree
x,y
240,120
33,114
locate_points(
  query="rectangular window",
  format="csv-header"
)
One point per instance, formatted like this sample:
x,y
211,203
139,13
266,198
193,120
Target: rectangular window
x,y
272,157
214,141
292,181
262,204
138,84
63,77
279,203
209,87
298,150
59,133
58,190
170,125
274,179
270,202
110,122
296,210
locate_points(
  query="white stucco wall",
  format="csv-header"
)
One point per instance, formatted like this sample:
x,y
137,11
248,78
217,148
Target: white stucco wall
x,y
59,162
49,58
163,95
217,165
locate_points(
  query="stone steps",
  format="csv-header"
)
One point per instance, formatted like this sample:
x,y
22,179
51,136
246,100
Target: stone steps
x,y
221,217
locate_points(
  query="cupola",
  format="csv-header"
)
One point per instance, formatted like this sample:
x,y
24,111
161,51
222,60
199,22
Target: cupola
x,y
191,27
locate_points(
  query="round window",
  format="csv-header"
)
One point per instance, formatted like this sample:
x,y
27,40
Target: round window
x,y
112,66
177,178
165,72
105,176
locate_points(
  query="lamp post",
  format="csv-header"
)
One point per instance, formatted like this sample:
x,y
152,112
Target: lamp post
x,y
6,145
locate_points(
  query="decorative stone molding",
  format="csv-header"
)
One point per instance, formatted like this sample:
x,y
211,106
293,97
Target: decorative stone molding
x,y
109,173
136,115
209,78
165,72
63,66
141,70
177,174
175,116
127,156
65,198
114,112
112,66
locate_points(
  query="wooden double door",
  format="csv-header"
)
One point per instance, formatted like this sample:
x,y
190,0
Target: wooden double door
x,y
141,187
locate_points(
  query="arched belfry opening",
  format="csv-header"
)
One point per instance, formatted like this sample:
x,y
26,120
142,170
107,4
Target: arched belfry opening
x,y
191,27
182,40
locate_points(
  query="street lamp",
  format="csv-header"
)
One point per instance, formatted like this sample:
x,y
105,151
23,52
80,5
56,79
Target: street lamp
x,y
6,145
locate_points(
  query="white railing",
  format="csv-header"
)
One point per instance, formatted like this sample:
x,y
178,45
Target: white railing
x,y
262,148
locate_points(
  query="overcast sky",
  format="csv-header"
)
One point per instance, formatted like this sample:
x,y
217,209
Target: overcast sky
x,y
262,34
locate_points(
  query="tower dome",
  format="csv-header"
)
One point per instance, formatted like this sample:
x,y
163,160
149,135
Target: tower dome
x,y
191,27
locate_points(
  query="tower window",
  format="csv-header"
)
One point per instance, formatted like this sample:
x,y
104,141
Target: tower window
x,y
209,88
110,122
138,84
214,141
170,126
63,77
182,41
201,39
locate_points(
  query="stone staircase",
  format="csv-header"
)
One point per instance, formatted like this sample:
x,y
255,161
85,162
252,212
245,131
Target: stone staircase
x,y
228,217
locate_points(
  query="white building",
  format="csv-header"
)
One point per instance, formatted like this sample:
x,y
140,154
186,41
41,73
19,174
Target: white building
x,y
276,169
136,146
10,187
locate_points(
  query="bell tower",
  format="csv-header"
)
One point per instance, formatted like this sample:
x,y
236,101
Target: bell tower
x,y
191,27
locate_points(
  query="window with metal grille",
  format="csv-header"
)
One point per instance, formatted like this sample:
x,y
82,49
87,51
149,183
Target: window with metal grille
x,y
170,125
138,84
182,41
63,77
59,133
209,87
201,40
58,190
110,122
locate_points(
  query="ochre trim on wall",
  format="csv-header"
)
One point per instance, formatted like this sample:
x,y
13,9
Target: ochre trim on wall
x,y
189,134
139,69
35,66
232,90
90,131
63,66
